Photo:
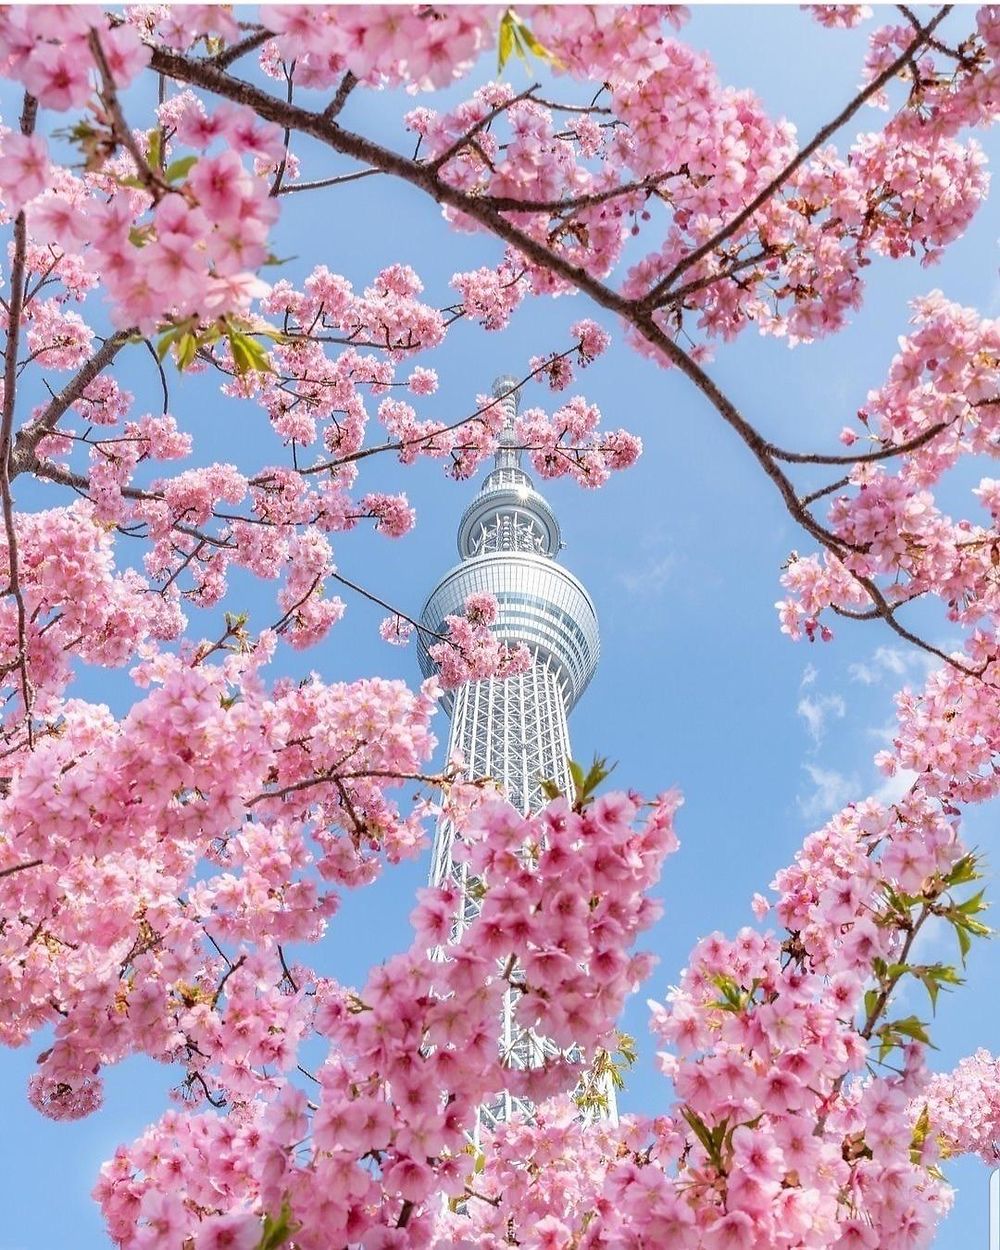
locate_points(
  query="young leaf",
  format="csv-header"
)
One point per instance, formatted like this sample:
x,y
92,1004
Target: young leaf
x,y
178,170
277,1230
187,349
153,148
506,40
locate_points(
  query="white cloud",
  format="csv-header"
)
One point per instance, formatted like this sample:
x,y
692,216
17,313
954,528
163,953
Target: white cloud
x,y
894,661
893,788
831,791
935,943
816,711
809,675
649,580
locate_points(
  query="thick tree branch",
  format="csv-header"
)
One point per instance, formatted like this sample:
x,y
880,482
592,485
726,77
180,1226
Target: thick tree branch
x,y
30,435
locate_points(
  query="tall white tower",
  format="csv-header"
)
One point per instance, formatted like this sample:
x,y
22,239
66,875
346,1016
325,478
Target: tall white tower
x,y
514,731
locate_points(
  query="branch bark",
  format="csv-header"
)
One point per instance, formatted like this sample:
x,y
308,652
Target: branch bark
x,y
29,113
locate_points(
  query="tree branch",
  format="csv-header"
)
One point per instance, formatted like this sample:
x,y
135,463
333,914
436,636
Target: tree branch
x,y
817,141
29,113
30,435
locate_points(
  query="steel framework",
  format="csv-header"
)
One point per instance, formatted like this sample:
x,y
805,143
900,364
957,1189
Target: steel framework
x,y
514,731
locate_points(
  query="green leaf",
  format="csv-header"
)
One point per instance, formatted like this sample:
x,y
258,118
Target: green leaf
x,y
505,44
627,1049
699,1128
734,999
910,1026
964,941
972,906
153,149
535,46
187,349
248,355
585,784
934,976
277,1230
964,870
549,788
178,170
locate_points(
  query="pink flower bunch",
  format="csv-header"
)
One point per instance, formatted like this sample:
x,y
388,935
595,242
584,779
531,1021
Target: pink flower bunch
x,y
48,51
411,44
940,396
411,1054
395,630
393,514
839,16
471,652
963,1106
569,443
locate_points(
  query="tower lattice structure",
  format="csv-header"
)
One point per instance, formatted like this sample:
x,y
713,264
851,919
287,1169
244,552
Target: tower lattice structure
x,y
514,731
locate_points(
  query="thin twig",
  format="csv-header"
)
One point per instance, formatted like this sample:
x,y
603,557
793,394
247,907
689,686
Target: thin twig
x,y
225,977
150,179
293,187
31,434
228,55
31,863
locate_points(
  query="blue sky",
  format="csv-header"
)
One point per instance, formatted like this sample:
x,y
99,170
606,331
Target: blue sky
x,y
696,685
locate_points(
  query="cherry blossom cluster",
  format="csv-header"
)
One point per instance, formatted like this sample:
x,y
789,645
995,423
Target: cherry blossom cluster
x,y
472,652
939,403
963,1107
154,865
411,1054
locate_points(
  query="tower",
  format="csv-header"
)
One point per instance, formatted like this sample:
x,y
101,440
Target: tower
x,y
514,730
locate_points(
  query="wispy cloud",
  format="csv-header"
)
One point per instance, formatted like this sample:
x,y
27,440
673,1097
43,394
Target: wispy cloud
x,y
817,710
831,791
892,662
649,580
809,675
885,660
893,788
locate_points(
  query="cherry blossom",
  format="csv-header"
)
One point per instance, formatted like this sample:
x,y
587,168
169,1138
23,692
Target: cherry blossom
x,y
159,863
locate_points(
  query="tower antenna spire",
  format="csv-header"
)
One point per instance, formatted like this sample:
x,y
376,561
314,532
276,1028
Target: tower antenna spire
x,y
506,389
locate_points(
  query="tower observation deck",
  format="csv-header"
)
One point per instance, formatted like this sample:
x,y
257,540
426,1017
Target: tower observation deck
x,y
514,730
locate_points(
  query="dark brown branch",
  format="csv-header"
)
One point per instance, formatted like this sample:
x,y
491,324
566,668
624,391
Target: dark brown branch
x,y
511,203
336,105
866,457
150,179
29,113
31,863
283,163
30,435
228,55
163,377
225,977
